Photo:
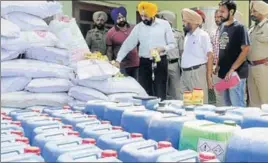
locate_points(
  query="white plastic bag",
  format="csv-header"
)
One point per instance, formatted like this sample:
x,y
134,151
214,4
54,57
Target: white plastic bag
x,y
34,69
14,44
95,70
69,34
27,99
49,54
39,38
49,85
115,85
14,84
9,54
86,94
27,22
42,9
9,29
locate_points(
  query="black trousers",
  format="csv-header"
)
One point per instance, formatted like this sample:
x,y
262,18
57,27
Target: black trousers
x,y
131,71
158,87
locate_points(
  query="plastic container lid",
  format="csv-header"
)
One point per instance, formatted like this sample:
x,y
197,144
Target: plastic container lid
x,y
187,92
198,89
117,128
66,107
76,133
108,153
136,135
164,144
92,116
17,132
206,156
18,123
6,118
229,122
22,139
35,150
44,115
89,141
57,119
68,126
105,122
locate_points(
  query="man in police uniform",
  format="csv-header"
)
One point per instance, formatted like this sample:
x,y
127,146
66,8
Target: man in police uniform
x,y
173,57
258,55
96,37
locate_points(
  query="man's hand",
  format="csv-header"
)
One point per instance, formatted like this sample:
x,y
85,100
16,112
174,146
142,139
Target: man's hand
x,y
160,50
266,63
229,75
216,70
115,63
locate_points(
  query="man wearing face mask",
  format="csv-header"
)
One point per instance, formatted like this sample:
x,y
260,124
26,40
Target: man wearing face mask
x,y
234,47
258,55
115,38
151,34
173,57
96,37
197,57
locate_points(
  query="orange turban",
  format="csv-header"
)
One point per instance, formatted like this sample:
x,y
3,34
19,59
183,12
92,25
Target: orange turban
x,y
191,16
150,9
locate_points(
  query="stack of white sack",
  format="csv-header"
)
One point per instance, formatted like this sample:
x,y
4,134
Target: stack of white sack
x,y
42,77
99,75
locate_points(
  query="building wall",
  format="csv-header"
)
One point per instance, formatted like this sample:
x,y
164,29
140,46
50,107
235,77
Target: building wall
x,y
175,6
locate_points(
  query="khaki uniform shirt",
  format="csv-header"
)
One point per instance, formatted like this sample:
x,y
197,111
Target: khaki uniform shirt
x,y
259,41
179,37
96,40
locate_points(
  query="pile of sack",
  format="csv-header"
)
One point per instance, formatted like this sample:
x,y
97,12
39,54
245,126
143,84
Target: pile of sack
x,y
34,64
47,64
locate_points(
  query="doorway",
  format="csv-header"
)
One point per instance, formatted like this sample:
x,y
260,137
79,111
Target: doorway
x,y
83,13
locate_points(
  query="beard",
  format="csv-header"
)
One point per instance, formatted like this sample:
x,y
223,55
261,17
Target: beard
x,y
121,24
218,23
99,26
225,19
148,22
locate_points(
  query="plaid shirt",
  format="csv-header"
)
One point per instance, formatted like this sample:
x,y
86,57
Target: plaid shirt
x,y
215,43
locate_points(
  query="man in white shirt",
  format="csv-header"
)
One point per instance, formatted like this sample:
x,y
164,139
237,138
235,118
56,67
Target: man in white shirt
x,y
152,34
197,57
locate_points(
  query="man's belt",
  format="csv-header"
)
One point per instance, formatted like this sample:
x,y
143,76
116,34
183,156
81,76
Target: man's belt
x,y
193,68
173,61
258,62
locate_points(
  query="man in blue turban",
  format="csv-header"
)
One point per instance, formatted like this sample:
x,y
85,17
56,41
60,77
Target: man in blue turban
x,y
115,38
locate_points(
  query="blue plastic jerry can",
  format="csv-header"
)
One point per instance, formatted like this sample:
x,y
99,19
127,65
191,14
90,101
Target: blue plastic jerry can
x,y
73,119
96,131
114,113
255,120
30,125
81,126
11,127
54,149
9,138
179,156
138,120
97,107
61,113
7,132
245,111
12,151
51,128
21,116
7,110
15,113
117,140
144,151
41,139
218,118
50,110
167,127
25,157
15,145
150,102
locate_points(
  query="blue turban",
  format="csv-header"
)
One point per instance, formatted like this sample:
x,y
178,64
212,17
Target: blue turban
x,y
116,11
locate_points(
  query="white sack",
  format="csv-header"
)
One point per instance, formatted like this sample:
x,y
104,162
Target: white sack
x,y
9,54
86,94
27,22
14,84
34,69
42,9
49,54
122,97
69,34
9,29
39,38
115,85
95,70
49,85
14,44
27,99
